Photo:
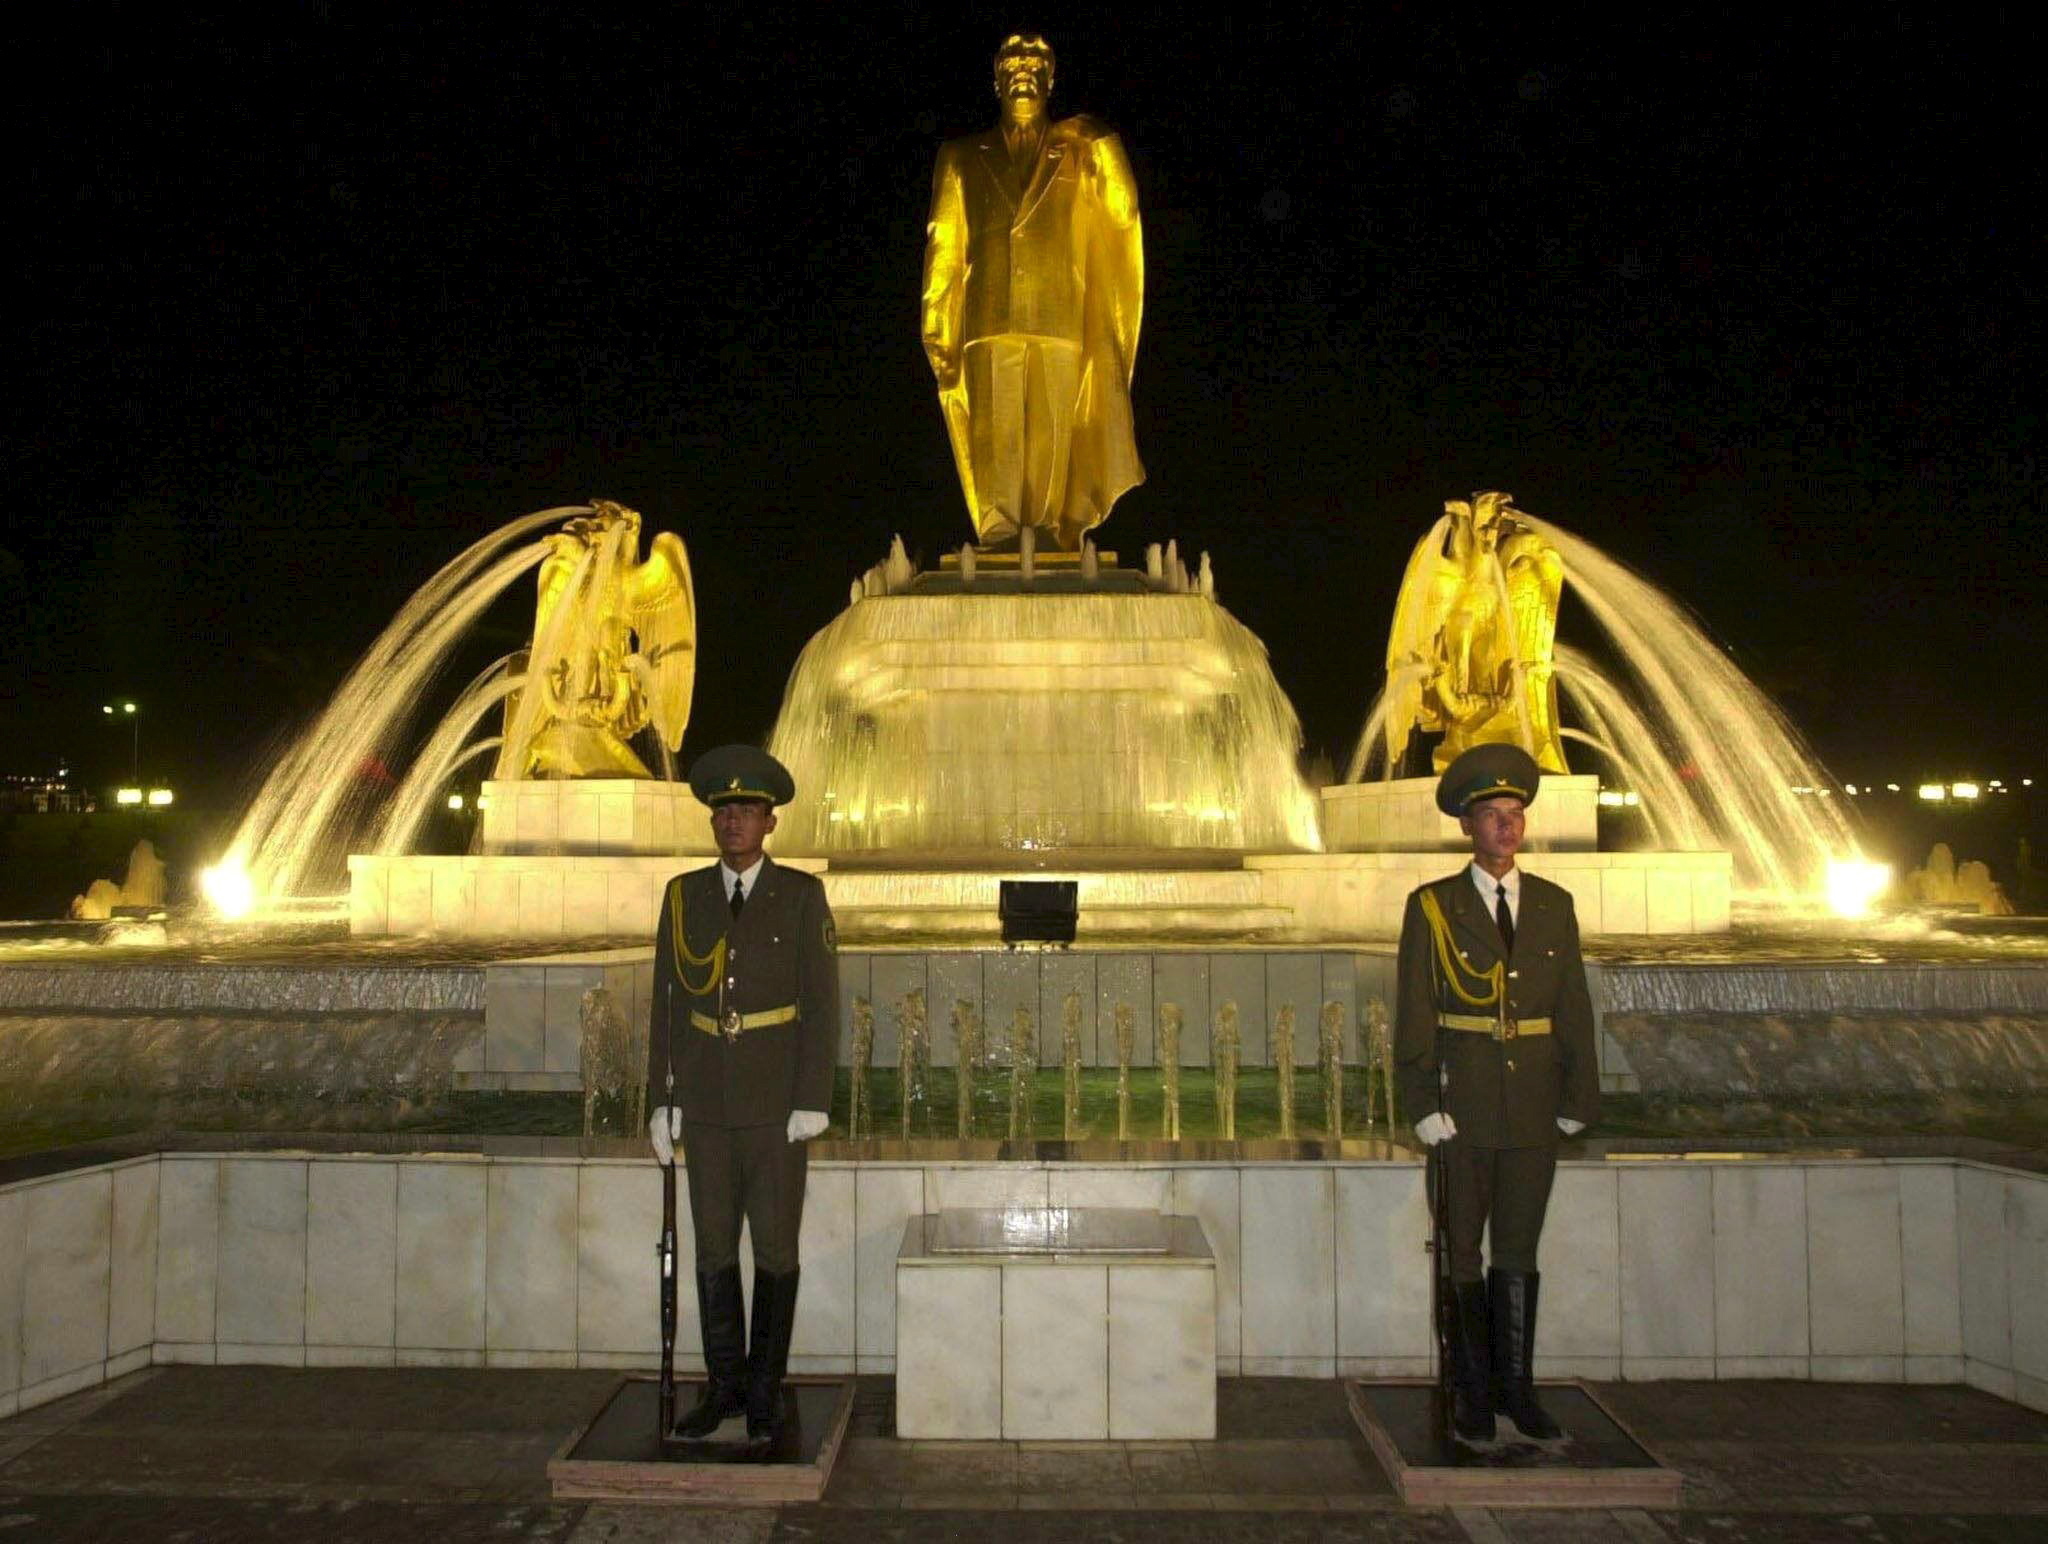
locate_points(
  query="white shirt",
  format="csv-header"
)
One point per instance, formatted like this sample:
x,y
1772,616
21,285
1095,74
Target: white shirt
x,y
1488,886
727,878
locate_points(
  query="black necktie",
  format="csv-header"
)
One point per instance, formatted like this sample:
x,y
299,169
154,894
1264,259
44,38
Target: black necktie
x,y
1502,917
739,896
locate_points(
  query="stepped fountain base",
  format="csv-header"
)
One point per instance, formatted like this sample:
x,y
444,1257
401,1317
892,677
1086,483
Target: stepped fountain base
x,y
1248,901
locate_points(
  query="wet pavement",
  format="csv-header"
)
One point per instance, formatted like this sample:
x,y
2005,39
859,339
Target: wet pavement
x,y
252,1453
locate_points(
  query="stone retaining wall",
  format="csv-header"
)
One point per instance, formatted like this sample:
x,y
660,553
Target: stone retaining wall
x,y
1915,1270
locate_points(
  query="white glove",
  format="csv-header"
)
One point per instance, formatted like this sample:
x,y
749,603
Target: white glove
x,y
663,1127
1432,1129
805,1124
1570,1127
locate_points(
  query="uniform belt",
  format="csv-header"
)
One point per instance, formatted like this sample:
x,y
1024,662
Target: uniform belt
x,y
735,1022
1481,1024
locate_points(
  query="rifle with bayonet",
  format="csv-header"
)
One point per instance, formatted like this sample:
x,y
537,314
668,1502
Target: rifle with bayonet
x,y
1443,1296
666,1249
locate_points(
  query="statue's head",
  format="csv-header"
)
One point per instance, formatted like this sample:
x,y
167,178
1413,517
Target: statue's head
x,y
1024,66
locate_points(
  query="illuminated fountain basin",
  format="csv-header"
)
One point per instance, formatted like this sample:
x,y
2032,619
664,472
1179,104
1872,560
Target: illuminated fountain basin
x,y
1066,714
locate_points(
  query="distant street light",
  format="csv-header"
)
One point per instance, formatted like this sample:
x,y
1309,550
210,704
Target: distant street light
x,y
134,739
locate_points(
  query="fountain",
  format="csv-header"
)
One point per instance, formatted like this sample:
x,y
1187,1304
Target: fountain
x,y
1714,764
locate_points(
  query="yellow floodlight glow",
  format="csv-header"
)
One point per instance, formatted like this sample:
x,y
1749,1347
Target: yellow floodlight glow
x,y
159,797
455,801
128,796
1631,798
1613,798
1933,793
228,889
1853,887
1964,790
105,708
483,801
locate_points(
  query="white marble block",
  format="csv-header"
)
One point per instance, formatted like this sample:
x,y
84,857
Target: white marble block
x,y
1760,1262
131,1312
1854,1261
1667,1262
1382,1264
1580,1258
1056,1344
441,1256
1289,1282
1055,1367
188,1254
1162,1354
13,1249
884,1200
530,1258
352,1254
949,1351
262,1252
618,1222
69,1226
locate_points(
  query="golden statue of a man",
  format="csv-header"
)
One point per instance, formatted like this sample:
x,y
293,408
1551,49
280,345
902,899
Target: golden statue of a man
x,y
1034,281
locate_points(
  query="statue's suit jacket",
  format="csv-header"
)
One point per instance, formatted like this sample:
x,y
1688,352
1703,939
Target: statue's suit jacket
x,y
1058,256
781,950
1501,1093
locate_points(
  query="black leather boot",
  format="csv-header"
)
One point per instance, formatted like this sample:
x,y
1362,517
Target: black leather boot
x,y
1472,1402
723,1310
768,1356
1513,1300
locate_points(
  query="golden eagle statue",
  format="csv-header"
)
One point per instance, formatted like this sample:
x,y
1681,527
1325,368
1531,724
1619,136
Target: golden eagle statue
x,y
614,650
1470,653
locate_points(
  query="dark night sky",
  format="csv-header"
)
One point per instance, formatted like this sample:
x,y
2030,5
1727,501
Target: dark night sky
x,y
317,294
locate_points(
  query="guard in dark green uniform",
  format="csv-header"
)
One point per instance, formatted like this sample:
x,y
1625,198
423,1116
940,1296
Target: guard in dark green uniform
x,y
1493,1035
741,1050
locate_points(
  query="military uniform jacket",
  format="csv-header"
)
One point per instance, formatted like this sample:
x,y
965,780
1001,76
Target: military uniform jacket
x,y
1503,1091
780,953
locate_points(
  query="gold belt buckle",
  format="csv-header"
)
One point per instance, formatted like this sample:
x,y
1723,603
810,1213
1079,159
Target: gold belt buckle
x,y
730,1024
1508,1028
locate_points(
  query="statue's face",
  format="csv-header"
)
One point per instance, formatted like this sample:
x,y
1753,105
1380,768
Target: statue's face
x,y
1024,69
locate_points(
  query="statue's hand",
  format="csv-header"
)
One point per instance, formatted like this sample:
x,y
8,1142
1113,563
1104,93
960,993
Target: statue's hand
x,y
945,364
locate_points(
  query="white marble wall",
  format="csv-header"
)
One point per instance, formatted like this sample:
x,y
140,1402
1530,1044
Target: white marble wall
x,y
533,1017
1922,1270
1401,816
77,1268
1360,895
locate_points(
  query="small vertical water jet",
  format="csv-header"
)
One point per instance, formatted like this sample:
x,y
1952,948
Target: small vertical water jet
x,y
1023,1065
860,1112
1224,1046
1170,1020
1070,1065
1383,1053
913,1054
1283,1067
1379,1064
1330,1062
967,1054
1126,1037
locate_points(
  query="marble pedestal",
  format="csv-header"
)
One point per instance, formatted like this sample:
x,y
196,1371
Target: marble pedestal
x,y
1057,1324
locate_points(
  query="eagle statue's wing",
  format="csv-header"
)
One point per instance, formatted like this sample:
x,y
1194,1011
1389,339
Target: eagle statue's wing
x,y
661,607
1427,587
1535,582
